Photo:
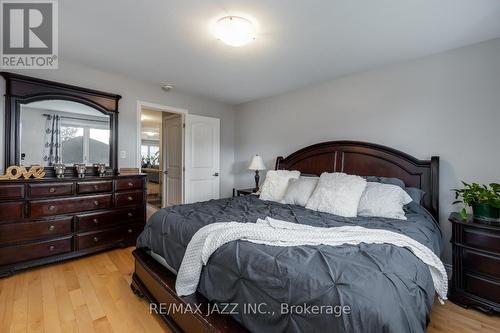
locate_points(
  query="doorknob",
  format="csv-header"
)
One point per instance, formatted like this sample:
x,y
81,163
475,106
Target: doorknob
x,y
216,174
165,172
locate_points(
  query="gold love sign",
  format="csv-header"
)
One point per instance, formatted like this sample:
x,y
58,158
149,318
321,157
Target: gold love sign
x,y
15,172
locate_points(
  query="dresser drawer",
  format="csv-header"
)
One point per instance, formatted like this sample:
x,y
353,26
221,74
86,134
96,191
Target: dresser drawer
x,y
481,263
125,234
97,221
8,192
485,288
478,239
94,187
128,184
70,205
50,190
11,211
13,254
129,198
26,231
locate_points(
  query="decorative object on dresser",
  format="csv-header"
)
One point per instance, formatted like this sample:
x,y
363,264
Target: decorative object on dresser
x,y
101,169
80,170
475,281
242,191
15,172
49,220
59,169
257,164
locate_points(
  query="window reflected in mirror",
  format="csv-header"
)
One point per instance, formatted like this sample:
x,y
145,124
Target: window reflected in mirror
x,y
59,131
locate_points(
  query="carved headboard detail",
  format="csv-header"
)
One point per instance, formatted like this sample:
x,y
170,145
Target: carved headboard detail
x,y
368,159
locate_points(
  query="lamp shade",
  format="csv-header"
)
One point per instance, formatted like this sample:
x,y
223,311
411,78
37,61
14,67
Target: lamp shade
x,y
257,163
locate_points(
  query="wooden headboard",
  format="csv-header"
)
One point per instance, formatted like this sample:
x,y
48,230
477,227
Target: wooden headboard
x,y
368,159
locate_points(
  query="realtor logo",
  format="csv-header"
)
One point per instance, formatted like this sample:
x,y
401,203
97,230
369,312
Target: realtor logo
x,y
29,34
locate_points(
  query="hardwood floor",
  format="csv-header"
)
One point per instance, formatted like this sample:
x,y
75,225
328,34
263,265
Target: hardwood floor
x,y
450,318
92,294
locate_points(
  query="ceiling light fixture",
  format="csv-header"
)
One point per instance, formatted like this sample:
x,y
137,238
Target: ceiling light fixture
x,y
167,87
234,30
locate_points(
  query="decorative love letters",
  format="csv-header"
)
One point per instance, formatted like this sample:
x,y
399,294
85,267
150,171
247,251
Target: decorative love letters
x,y
16,172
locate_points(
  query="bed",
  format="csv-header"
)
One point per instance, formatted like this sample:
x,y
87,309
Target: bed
x,y
386,288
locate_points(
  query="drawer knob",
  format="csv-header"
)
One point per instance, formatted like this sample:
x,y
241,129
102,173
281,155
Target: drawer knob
x,y
129,231
96,187
130,198
52,248
129,214
52,208
130,184
52,190
96,203
52,228
96,221
96,239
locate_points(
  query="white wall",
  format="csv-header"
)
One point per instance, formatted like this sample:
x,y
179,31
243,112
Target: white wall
x,y
446,105
131,91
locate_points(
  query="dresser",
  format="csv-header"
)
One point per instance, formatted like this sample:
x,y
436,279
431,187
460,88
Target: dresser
x,y
49,220
475,280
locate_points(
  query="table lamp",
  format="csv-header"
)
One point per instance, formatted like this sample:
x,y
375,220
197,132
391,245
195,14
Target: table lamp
x,y
257,164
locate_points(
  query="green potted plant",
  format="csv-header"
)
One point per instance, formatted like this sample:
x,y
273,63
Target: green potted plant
x,y
484,200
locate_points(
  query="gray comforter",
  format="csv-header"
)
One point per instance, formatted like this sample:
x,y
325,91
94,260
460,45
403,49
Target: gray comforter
x,y
366,288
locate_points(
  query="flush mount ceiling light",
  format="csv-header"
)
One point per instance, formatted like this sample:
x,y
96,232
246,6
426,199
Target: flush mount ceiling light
x,y
234,30
167,87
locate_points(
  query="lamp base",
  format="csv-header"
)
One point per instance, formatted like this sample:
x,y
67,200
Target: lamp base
x,y
256,189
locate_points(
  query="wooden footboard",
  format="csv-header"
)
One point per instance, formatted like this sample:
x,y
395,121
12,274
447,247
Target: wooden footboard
x,y
182,314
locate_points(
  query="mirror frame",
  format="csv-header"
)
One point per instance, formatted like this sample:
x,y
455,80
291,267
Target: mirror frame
x,y
20,89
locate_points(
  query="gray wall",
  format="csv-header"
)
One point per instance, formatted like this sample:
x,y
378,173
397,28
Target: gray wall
x,y
132,91
446,105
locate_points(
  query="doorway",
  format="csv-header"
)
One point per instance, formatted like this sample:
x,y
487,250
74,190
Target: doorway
x,y
161,156
180,153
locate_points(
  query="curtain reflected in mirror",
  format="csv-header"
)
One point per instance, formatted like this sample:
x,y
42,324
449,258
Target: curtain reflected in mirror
x,y
59,131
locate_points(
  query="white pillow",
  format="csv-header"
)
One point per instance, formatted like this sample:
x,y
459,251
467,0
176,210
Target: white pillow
x,y
337,193
383,200
299,190
276,183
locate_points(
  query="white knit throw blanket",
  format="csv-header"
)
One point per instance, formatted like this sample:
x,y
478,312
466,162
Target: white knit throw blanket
x,y
281,233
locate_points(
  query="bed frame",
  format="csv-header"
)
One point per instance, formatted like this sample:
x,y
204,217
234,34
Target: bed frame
x,y
157,284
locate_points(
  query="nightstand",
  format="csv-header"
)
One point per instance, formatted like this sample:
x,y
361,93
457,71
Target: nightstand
x,y
244,191
475,281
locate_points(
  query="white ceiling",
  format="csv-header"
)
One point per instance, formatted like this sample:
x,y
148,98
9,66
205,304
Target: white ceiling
x,y
299,42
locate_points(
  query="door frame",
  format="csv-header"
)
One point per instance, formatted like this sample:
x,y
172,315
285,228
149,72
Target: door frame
x,y
162,108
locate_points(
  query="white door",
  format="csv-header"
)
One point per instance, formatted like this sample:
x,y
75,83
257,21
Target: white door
x,y
172,146
202,158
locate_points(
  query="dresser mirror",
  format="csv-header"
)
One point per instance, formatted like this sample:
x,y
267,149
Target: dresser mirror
x,y
50,123
59,131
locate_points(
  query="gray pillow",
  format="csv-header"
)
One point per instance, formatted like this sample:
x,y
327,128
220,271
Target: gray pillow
x,y
299,190
415,193
309,175
386,180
